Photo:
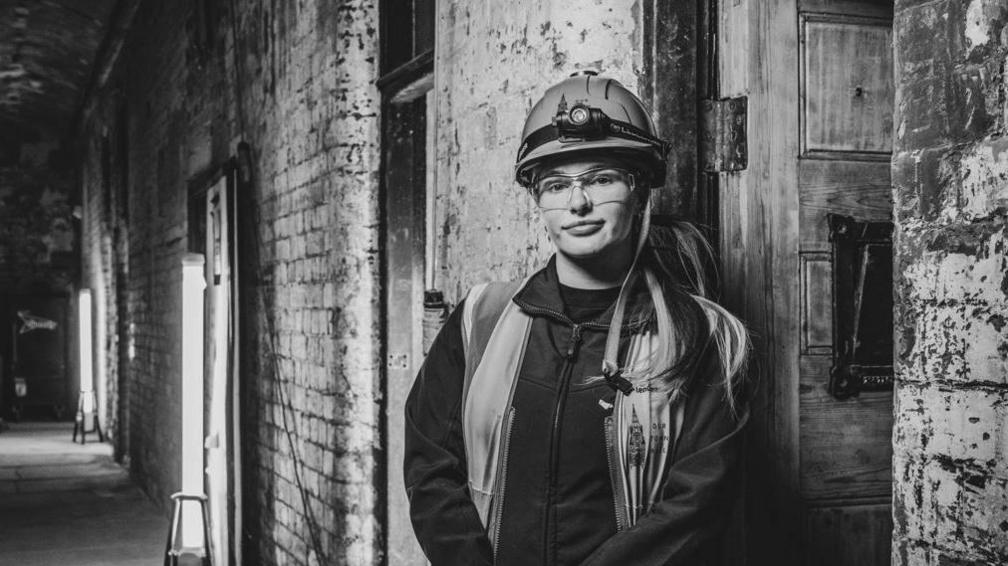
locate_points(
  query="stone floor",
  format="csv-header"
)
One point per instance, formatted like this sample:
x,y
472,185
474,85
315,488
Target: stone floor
x,y
64,503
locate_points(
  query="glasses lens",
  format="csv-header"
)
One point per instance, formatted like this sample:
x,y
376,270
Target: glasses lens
x,y
554,191
600,185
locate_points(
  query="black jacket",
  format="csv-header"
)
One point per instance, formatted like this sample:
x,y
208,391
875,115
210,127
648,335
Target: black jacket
x,y
559,506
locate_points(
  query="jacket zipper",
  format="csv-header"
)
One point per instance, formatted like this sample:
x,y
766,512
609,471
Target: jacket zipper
x,y
554,454
622,521
615,475
498,500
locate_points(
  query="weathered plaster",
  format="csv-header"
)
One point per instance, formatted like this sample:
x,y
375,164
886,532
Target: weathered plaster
x,y
977,27
494,61
984,171
950,170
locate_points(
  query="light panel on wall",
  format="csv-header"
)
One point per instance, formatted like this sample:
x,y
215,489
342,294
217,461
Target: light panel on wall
x,y
87,400
193,286
84,332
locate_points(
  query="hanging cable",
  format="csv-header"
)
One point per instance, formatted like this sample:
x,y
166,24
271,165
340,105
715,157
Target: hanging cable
x,y
286,408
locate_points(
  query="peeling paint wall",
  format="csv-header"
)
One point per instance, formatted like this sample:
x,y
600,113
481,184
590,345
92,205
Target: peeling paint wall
x,y
494,60
950,173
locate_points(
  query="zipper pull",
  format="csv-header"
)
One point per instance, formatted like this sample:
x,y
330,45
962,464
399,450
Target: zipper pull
x,y
575,339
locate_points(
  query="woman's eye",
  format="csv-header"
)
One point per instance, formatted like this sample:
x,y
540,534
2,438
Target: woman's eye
x,y
554,186
603,179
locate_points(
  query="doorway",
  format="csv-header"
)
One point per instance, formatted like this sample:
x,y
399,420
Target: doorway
x,y
212,233
408,109
38,384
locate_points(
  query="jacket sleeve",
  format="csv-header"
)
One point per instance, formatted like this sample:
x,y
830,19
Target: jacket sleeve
x,y
699,495
444,517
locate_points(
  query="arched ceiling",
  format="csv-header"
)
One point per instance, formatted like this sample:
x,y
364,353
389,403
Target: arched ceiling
x,y
47,51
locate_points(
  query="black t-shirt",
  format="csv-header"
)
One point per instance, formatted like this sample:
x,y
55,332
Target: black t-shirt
x,y
582,305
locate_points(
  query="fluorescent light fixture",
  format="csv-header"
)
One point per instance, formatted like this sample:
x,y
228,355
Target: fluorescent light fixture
x,y
193,286
86,360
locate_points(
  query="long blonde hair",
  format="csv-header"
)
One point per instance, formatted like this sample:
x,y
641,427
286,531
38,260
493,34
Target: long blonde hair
x,y
676,265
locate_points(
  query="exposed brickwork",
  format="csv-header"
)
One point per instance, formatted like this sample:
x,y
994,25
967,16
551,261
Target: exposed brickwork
x,y
310,113
949,171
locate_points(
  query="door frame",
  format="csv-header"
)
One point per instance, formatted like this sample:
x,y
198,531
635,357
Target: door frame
x,y
199,237
757,56
404,235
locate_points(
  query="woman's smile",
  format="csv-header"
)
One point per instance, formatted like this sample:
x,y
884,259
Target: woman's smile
x,y
583,227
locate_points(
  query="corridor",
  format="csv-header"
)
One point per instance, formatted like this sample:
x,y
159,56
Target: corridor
x,y
66,503
231,232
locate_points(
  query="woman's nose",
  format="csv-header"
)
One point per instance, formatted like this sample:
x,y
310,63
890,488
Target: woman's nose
x,y
579,202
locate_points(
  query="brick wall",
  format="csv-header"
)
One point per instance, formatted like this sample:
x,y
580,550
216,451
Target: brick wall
x,y
309,111
949,172
97,229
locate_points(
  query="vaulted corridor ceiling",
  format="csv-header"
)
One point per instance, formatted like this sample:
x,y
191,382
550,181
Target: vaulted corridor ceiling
x,y
47,50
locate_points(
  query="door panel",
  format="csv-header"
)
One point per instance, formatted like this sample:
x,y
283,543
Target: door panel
x,y
845,445
852,188
817,308
847,84
845,535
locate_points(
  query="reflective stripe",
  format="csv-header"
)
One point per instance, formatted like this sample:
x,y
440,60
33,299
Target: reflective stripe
x,y
487,402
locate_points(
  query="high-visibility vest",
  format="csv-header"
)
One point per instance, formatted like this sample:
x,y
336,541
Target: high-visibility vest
x,y
641,432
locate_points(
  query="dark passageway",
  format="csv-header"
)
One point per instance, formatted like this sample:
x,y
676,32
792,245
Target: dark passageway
x,y
67,503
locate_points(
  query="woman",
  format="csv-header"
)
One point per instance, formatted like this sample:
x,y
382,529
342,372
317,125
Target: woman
x,y
590,414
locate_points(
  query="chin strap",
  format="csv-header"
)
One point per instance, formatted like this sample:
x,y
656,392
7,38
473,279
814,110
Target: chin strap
x,y
610,365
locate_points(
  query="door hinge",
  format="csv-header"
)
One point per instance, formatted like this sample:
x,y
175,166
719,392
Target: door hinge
x,y
723,139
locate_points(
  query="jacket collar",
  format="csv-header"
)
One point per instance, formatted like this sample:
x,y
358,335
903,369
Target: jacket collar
x,y
541,296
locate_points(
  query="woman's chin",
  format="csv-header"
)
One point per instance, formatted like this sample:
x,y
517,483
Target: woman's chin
x,y
582,251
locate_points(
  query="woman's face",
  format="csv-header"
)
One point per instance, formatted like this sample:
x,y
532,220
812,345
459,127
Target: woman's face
x,y
588,207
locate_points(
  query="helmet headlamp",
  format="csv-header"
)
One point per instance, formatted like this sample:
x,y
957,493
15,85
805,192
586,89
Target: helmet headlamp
x,y
586,123
580,123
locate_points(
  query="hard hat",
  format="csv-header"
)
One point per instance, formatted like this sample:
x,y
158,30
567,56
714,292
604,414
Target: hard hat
x,y
587,112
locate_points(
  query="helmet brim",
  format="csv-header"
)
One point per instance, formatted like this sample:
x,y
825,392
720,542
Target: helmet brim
x,y
622,148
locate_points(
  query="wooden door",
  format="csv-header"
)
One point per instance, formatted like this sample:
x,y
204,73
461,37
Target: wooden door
x,y
219,335
818,74
213,233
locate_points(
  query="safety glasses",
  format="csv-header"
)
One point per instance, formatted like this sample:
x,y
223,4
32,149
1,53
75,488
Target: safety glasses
x,y
599,186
